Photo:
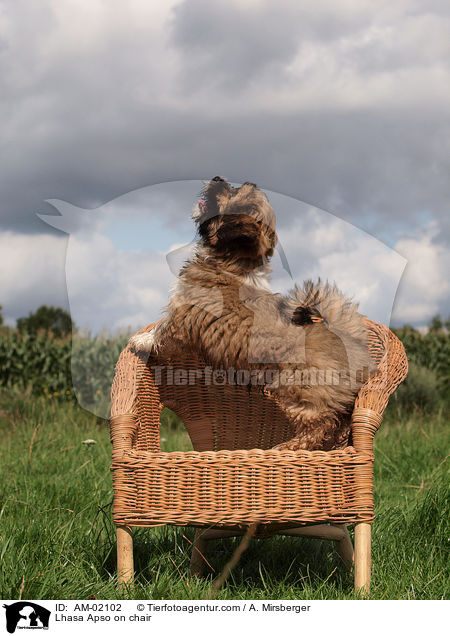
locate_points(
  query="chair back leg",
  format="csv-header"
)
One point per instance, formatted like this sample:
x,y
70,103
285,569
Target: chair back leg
x,y
198,554
344,548
362,557
125,566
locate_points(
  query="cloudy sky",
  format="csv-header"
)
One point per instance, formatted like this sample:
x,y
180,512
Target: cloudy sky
x,y
338,109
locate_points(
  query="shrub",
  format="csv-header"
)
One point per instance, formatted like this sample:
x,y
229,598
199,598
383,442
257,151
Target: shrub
x,y
420,390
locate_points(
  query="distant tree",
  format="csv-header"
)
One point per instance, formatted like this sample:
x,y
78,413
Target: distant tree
x,y
407,328
51,319
447,324
1,315
436,325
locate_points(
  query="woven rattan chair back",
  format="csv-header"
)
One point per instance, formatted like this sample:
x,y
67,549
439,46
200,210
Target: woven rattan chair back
x,y
218,412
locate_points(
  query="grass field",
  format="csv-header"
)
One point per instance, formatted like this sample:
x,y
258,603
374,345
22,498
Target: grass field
x,y
58,540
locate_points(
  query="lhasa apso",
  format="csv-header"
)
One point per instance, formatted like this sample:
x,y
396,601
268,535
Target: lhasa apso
x,y
222,308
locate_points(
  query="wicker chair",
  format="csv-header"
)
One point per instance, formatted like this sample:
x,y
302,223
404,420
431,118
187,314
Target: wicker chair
x,y
232,478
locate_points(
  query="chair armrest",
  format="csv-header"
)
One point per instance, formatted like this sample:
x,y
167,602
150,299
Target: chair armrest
x,y
123,430
392,367
126,414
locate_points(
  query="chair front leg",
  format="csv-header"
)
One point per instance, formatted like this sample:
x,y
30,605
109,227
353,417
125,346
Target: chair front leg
x,y
125,565
362,557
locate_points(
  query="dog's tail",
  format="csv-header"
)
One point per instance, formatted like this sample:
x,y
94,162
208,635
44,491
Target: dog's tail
x,y
323,302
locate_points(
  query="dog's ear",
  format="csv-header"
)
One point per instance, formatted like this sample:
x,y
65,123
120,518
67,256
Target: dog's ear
x,y
306,315
302,316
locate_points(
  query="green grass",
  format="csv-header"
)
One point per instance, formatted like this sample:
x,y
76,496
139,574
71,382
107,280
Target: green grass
x,y
57,539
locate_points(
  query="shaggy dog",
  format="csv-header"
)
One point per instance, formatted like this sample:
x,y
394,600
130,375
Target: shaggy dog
x,y
222,308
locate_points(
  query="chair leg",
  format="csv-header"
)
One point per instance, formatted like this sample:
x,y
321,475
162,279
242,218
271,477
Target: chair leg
x,y
362,557
198,551
345,549
125,566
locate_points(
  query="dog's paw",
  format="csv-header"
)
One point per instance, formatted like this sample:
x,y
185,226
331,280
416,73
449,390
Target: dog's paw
x,y
143,342
293,444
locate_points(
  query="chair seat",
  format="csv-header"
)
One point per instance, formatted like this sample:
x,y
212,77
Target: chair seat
x,y
235,488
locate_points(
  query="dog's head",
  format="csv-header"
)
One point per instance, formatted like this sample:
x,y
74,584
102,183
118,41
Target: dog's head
x,y
236,222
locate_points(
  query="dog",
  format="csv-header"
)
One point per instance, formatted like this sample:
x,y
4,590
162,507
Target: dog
x,y
222,308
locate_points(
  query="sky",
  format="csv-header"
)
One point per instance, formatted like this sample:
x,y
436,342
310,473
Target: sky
x,y
118,113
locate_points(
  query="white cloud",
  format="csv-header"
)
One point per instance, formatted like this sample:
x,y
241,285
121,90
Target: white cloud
x,y
425,285
107,288
318,244
113,288
31,272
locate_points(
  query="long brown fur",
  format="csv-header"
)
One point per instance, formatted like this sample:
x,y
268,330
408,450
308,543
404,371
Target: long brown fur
x,y
222,308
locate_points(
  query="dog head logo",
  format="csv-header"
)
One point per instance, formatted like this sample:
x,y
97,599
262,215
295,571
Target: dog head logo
x,y
101,275
26,615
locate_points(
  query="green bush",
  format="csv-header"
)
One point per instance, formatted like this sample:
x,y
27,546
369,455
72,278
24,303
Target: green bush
x,y
430,350
420,390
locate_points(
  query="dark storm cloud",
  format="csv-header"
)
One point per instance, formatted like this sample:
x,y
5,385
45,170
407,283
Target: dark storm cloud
x,y
230,47
234,44
354,164
111,110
